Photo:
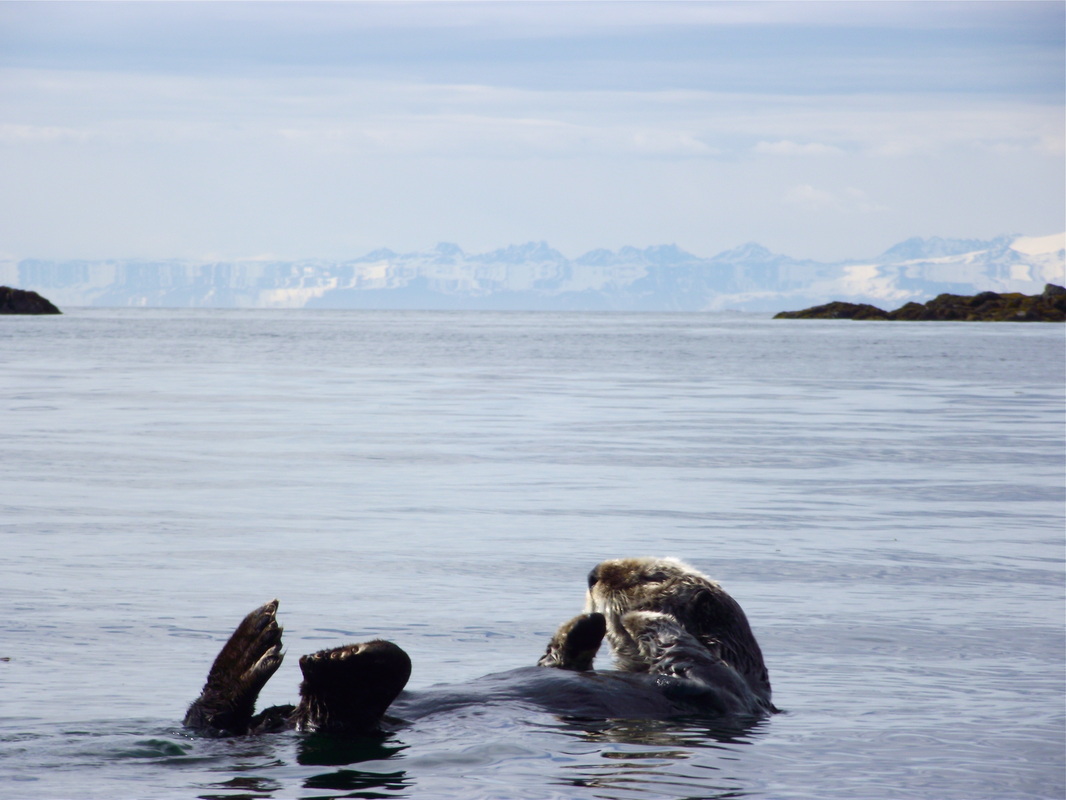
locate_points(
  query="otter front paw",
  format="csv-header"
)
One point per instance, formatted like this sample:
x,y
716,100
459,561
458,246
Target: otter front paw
x,y
576,643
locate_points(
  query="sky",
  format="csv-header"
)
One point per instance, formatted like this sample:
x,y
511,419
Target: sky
x,y
330,129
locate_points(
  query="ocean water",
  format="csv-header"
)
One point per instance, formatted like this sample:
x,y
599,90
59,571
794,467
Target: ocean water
x,y
885,500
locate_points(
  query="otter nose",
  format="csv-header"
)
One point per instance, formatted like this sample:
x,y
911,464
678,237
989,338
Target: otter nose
x,y
594,576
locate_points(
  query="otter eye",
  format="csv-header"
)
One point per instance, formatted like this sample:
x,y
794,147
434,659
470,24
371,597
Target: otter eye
x,y
656,577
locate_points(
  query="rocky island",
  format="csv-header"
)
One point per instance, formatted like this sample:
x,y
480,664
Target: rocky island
x,y
20,301
1049,306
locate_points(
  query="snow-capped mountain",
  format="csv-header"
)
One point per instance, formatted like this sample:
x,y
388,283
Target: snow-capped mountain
x,y
535,276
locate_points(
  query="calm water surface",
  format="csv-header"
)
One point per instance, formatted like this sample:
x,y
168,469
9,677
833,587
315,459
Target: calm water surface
x,y
885,500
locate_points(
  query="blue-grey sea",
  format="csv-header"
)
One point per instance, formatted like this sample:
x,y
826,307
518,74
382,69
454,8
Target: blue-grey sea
x,y
886,501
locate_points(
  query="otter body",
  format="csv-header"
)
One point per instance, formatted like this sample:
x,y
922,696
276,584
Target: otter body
x,y
609,694
683,647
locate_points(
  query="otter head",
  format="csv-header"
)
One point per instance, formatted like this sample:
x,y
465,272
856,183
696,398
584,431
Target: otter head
x,y
669,586
631,584
619,587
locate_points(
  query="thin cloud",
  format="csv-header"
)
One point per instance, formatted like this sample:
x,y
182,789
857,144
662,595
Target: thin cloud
x,y
847,201
37,134
491,137
787,148
129,107
327,127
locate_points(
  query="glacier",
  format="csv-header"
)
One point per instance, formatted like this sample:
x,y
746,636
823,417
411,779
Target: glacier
x,y
534,276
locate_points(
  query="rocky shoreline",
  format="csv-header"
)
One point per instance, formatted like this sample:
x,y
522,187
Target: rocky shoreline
x,y
20,301
1049,306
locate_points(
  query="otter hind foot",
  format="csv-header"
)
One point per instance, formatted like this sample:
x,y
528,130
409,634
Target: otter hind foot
x,y
240,671
348,689
575,644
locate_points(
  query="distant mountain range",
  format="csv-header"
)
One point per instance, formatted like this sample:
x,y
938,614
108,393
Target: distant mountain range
x,y
533,276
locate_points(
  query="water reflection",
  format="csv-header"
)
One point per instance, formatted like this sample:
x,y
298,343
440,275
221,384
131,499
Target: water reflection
x,y
685,732
245,788
321,749
361,784
253,755
658,758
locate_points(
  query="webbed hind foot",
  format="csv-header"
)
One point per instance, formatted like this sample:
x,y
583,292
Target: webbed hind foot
x,y
348,689
243,666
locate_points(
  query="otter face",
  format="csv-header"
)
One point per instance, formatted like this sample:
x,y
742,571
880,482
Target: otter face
x,y
665,585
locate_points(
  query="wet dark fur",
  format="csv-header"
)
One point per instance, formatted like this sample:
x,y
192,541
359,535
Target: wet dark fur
x,y
348,689
683,645
240,671
345,689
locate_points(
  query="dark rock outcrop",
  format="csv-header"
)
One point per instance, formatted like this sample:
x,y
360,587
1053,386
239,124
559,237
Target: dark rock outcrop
x,y
836,310
19,301
1049,306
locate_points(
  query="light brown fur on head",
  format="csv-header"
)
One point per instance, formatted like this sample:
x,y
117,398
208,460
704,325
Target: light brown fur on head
x,y
701,607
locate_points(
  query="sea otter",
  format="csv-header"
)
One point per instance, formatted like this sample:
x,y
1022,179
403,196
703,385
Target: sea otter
x,y
672,661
